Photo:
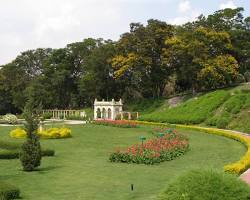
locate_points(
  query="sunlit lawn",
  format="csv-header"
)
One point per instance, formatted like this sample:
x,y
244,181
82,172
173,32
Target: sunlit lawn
x,y
81,170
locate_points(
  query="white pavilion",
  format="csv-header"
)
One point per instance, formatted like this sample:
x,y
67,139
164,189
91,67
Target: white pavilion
x,y
107,109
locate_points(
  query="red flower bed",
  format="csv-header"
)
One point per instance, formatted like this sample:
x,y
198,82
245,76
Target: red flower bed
x,y
167,146
116,123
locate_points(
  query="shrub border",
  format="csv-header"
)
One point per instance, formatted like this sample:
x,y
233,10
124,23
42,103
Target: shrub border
x,y
237,167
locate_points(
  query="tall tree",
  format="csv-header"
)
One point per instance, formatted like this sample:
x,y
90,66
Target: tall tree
x,y
139,61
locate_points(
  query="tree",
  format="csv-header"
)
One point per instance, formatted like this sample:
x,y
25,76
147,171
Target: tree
x,y
30,154
140,52
188,52
97,79
218,72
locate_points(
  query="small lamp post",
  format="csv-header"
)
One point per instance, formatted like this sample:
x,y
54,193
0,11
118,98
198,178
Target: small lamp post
x,y
142,138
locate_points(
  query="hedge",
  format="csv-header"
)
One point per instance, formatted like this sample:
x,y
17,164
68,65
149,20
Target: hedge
x,y
8,192
238,167
14,154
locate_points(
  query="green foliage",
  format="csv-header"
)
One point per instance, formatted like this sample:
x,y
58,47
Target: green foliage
x,y
247,76
87,154
149,60
219,72
31,154
193,111
144,105
8,191
206,184
165,148
222,122
10,150
47,115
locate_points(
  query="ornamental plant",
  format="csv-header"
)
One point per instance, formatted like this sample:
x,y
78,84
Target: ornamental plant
x,y
10,118
51,133
31,154
116,123
165,147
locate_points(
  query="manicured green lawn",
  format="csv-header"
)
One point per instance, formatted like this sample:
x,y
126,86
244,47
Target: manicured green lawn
x,y
81,170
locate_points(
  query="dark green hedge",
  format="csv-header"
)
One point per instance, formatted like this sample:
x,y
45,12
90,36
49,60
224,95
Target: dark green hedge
x,y
14,154
8,191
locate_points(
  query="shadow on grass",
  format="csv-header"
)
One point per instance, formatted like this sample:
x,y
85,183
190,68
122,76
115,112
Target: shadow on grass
x,y
46,169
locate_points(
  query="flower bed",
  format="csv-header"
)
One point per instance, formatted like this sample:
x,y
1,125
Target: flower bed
x,y
167,146
116,123
51,133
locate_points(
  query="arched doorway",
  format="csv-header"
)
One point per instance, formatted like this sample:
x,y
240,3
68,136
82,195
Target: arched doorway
x,y
103,113
98,113
109,113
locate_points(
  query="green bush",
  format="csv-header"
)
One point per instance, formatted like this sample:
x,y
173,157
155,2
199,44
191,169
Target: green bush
x,y
206,185
240,78
235,103
212,121
14,154
30,154
222,122
8,192
47,115
76,117
193,111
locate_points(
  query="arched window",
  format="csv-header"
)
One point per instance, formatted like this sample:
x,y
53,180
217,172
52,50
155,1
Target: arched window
x,y
109,113
98,113
103,113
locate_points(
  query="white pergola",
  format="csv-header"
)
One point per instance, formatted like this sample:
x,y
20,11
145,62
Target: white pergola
x,y
107,109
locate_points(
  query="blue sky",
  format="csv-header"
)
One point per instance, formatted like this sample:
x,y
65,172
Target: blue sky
x,y
30,24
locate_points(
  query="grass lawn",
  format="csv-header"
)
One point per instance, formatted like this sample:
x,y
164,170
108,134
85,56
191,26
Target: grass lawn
x,y
80,169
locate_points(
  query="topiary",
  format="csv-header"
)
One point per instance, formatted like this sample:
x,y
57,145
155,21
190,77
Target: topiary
x,y
206,185
30,154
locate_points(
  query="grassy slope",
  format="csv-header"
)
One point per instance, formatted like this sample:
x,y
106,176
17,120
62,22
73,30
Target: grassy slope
x,y
227,108
81,170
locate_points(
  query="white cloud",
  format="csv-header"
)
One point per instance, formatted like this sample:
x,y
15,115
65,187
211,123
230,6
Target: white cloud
x,y
184,19
30,24
184,6
228,4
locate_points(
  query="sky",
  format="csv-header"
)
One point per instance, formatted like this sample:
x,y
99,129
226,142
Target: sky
x,y
31,24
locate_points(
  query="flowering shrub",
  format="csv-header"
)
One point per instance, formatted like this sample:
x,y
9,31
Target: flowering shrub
x,y
10,118
55,133
116,123
52,133
18,133
163,148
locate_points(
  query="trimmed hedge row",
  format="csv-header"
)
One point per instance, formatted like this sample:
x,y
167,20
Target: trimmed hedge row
x,y
238,167
11,151
14,154
8,192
